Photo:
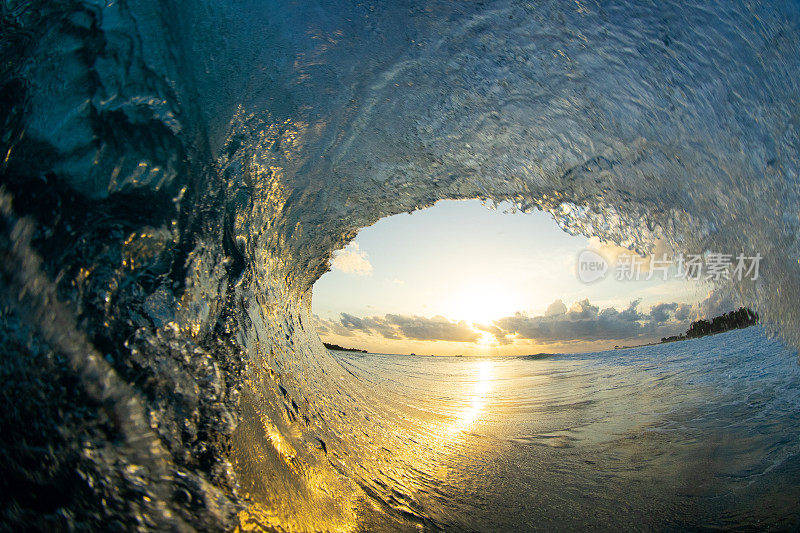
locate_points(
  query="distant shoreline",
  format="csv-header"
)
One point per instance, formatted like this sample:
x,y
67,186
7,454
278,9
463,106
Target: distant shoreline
x,y
342,349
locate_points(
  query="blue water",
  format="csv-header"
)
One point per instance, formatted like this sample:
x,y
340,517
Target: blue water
x,y
703,433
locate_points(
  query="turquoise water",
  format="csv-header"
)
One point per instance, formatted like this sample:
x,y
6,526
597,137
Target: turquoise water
x,y
697,434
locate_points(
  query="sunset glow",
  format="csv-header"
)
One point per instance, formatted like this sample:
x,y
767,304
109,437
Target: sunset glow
x,y
461,279
482,304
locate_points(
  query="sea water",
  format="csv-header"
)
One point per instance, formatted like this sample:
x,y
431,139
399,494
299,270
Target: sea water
x,y
703,433
176,175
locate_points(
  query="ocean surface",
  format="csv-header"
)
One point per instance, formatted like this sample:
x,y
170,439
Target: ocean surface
x,y
700,434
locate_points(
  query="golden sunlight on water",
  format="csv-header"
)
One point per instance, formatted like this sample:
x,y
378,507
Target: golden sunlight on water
x,y
477,399
574,430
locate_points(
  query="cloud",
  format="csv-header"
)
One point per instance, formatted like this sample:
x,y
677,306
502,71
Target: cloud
x,y
582,309
609,250
715,304
352,260
369,325
437,328
661,312
499,334
398,327
683,312
329,327
353,322
587,322
556,308
581,322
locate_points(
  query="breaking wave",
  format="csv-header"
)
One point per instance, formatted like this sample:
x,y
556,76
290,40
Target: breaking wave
x,y
176,176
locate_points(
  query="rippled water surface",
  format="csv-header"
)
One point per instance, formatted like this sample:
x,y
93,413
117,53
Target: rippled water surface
x,y
702,433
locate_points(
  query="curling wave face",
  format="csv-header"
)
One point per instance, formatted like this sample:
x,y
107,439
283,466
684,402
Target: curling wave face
x,y
177,175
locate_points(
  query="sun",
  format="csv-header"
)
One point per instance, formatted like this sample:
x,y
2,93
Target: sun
x,y
485,339
481,304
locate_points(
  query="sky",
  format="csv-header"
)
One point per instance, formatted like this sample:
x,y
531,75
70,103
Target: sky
x,y
460,278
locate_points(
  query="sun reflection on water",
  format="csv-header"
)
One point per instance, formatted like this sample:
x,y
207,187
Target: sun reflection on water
x,y
423,449
477,399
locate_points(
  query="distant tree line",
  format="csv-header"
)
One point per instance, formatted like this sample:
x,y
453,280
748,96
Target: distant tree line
x,y
741,318
337,347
